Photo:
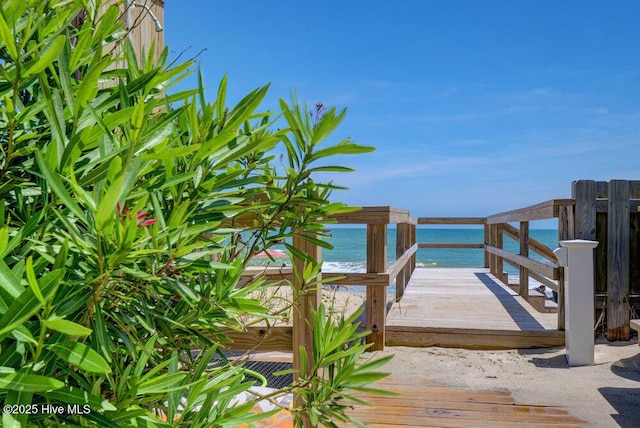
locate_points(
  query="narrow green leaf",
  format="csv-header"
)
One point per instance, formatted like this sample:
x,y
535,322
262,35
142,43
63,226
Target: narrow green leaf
x,y
58,188
162,384
116,193
28,382
81,356
101,334
71,395
69,328
89,86
171,153
4,238
23,233
20,311
47,56
6,35
10,287
33,283
137,120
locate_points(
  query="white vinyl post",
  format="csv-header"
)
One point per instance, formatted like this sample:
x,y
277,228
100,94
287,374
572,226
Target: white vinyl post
x,y
576,256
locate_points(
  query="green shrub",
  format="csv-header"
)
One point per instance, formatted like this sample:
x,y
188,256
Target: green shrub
x,y
127,215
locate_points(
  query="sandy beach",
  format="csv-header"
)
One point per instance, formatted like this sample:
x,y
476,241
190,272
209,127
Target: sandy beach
x,y
606,394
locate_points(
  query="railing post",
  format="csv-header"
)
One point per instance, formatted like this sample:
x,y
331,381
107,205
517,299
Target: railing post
x,y
501,275
412,242
403,239
524,251
618,261
492,243
577,258
566,232
307,299
487,256
376,294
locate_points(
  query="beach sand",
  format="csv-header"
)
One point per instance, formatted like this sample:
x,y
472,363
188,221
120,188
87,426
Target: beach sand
x,y
606,394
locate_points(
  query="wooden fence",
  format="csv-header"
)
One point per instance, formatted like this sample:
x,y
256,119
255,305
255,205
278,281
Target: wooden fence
x,y
607,212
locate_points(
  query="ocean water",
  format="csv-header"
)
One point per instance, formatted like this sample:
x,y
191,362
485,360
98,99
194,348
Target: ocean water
x,y
349,251
350,246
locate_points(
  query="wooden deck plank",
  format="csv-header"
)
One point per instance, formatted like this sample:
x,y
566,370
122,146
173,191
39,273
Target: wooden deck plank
x,y
428,404
467,308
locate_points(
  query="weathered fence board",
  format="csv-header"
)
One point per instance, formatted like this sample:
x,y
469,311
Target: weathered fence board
x,y
618,260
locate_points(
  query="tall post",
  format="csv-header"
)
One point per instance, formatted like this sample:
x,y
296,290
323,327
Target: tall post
x,y
307,299
376,294
618,261
577,258
524,251
403,239
501,275
412,242
487,242
492,257
566,230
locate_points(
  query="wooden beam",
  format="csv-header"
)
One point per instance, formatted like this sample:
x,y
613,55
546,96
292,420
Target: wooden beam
x,y
260,339
375,215
361,279
451,220
532,265
452,245
399,265
543,211
618,260
272,274
307,298
534,244
524,252
376,295
403,238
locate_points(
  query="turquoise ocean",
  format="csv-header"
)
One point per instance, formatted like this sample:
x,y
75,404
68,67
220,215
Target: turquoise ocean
x,y
349,249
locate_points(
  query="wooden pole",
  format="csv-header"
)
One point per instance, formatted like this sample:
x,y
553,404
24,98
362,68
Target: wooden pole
x,y
566,228
501,275
487,256
307,299
376,294
403,239
412,242
618,260
585,193
524,251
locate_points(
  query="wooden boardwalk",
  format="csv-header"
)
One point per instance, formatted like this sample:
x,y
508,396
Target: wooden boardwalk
x,y
467,308
435,405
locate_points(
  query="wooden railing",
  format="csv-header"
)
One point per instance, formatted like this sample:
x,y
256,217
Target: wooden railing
x,y
377,220
376,279
547,273
588,215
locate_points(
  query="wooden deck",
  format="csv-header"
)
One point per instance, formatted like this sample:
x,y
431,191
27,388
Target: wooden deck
x,y
434,405
467,308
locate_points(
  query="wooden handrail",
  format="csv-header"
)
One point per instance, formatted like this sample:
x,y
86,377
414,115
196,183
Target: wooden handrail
x,y
452,220
534,244
364,279
533,265
375,215
450,245
542,211
401,262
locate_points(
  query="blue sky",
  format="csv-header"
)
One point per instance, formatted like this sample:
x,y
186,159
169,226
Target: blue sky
x,y
475,107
